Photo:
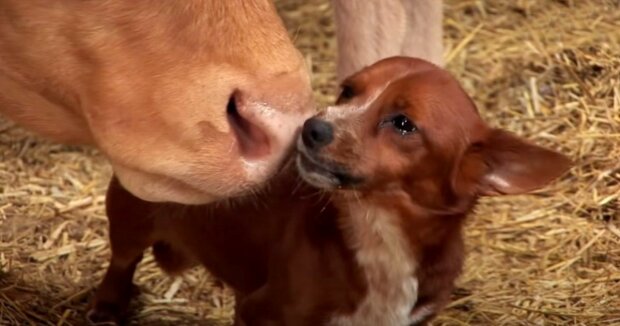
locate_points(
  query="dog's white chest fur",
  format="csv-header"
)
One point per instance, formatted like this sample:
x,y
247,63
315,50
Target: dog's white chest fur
x,y
384,256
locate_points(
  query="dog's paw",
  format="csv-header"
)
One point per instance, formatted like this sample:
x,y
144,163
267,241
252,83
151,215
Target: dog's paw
x,y
105,314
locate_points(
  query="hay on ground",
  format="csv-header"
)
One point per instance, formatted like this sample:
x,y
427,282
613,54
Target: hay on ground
x,y
547,70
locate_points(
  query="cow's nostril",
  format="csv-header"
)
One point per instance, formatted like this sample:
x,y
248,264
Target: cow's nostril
x,y
231,107
317,133
253,141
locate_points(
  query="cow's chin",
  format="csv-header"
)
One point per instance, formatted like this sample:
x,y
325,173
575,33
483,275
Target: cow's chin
x,y
159,188
235,181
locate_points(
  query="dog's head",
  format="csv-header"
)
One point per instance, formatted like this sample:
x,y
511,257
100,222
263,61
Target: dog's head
x,y
406,124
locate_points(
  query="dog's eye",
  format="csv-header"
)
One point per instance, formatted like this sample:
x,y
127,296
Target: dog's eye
x,y
403,124
347,93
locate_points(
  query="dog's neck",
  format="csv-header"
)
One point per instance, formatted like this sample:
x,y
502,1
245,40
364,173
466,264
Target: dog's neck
x,y
389,236
419,226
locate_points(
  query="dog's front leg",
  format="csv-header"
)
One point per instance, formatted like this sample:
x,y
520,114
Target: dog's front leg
x,y
256,309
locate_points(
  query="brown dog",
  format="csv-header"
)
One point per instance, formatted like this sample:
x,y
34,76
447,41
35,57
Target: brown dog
x,y
399,162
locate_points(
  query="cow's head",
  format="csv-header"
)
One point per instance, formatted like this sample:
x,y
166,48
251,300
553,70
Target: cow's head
x,y
194,101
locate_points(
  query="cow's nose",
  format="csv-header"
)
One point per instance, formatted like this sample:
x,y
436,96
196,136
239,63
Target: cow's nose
x,y
317,133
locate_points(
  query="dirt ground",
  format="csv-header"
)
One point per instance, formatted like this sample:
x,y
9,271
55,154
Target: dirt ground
x,y
547,70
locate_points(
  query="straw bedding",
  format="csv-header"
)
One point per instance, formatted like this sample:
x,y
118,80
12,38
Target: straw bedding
x,y
547,70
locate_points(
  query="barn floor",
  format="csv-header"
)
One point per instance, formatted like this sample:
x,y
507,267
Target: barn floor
x,y
548,70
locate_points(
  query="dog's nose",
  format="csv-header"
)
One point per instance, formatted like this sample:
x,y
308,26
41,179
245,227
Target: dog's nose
x,y
317,133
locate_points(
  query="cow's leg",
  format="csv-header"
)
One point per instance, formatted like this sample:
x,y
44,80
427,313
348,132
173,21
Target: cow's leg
x,y
130,235
368,31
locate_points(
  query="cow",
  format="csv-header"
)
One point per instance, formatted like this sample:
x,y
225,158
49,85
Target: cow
x,y
190,101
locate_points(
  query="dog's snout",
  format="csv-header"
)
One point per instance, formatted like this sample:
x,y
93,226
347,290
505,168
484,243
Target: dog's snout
x,y
317,133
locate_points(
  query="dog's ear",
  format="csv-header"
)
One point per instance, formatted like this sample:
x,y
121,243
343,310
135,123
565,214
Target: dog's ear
x,y
513,166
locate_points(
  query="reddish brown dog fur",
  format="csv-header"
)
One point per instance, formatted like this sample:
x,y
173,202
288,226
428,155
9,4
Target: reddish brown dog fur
x,y
399,162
